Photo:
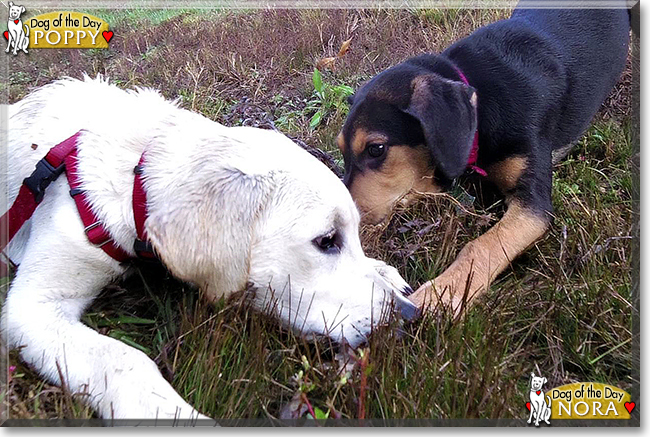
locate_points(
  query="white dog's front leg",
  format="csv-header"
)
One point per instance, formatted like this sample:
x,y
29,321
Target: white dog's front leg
x,y
9,40
538,413
59,276
122,382
14,38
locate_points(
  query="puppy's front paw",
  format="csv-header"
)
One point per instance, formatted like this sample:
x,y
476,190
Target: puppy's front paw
x,y
438,295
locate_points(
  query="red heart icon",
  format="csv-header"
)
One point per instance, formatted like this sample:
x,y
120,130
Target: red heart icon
x,y
6,34
629,406
16,21
107,34
538,392
528,405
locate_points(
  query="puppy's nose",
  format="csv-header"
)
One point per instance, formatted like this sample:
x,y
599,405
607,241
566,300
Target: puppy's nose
x,y
407,309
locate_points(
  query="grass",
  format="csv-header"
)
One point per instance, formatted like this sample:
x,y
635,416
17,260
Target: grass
x,y
564,309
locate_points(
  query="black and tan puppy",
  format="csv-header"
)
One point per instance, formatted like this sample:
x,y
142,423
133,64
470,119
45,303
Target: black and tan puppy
x,y
527,87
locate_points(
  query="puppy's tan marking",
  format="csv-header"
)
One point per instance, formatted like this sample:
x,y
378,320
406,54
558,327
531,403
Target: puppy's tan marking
x,y
481,260
359,141
505,174
340,141
420,83
362,138
405,168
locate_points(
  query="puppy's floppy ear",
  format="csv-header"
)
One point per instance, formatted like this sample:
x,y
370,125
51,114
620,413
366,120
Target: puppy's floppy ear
x,y
446,111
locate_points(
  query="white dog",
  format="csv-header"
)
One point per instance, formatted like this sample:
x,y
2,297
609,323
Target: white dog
x,y
539,409
18,32
227,207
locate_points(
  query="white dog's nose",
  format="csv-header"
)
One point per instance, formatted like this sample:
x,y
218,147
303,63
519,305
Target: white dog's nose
x,y
400,290
406,308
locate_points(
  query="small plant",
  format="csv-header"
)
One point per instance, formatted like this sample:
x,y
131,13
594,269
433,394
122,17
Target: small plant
x,y
326,99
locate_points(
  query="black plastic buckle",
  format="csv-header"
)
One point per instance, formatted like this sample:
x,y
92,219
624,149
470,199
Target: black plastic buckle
x,y
144,250
43,176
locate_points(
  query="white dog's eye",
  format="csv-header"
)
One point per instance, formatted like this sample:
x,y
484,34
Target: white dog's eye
x,y
329,243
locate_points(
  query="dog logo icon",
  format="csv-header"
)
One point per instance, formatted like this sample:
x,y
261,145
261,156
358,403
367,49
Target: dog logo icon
x,y
17,33
539,408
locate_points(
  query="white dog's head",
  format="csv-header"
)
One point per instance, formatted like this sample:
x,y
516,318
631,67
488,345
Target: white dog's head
x,y
537,382
306,257
15,11
258,210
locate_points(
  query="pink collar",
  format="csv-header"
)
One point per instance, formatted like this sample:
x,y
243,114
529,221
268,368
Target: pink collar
x,y
473,154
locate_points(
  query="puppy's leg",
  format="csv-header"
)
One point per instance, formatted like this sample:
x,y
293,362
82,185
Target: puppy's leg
x,y
526,183
481,260
58,278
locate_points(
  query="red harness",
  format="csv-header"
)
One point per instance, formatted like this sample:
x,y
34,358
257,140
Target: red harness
x,y
63,158
473,154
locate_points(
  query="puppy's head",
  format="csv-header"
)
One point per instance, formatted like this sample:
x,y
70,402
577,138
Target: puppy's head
x,y
409,130
255,208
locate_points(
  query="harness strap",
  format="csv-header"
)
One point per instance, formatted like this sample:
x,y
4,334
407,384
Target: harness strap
x,y
95,231
60,158
31,191
473,154
141,246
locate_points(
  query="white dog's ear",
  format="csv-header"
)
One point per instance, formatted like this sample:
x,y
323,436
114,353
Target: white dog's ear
x,y
22,9
203,231
11,4
545,381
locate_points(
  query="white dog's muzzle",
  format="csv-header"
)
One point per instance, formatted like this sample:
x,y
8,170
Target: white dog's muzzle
x,y
407,309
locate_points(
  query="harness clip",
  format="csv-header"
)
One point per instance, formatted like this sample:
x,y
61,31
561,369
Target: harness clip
x,y
42,177
144,250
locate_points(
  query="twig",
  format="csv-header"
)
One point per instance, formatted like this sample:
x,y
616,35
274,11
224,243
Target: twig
x,y
305,400
363,384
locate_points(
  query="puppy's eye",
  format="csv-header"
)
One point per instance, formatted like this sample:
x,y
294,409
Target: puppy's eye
x,y
376,150
329,243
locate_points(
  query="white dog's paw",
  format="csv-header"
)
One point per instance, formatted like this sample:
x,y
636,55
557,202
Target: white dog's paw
x,y
135,389
152,407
